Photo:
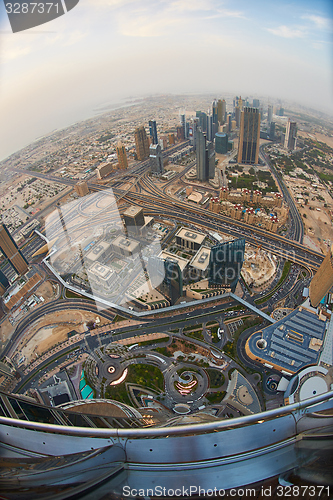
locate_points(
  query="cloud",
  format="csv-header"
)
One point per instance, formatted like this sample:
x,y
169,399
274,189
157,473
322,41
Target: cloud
x,y
287,32
226,13
319,21
15,53
75,37
147,26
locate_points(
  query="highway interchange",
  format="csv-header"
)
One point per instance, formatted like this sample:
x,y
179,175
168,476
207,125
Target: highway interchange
x,y
158,203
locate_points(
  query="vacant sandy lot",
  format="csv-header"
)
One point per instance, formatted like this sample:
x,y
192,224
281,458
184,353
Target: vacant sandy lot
x,y
53,329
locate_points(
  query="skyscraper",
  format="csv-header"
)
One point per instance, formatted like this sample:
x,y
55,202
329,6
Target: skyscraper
x,y
256,103
205,158
153,131
141,143
237,116
122,157
11,251
183,124
322,280
81,188
225,263
221,143
214,111
272,131
203,119
220,114
249,135
269,114
4,283
224,111
156,159
192,132
290,138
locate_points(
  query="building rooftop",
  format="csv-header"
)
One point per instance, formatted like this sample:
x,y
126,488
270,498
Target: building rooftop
x,y
98,250
132,211
191,235
100,271
201,259
293,342
174,258
125,243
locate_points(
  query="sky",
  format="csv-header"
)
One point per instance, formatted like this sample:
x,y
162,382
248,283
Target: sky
x,y
103,51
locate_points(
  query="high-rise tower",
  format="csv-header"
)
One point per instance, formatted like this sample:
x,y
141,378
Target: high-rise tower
x,y
322,280
225,263
141,143
122,157
249,135
205,158
269,114
11,251
214,111
220,114
153,131
156,159
291,135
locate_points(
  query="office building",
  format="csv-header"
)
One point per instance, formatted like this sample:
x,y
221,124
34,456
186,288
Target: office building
x,y
239,103
11,251
185,125
205,158
81,188
4,283
210,128
134,219
125,246
189,239
269,114
322,280
153,131
141,143
238,116
221,143
172,139
156,159
225,263
104,169
256,103
221,108
214,111
203,120
249,136
180,134
122,157
192,132
166,275
290,138
272,131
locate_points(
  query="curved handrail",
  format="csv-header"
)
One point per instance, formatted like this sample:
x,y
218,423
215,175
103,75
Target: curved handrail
x,y
151,432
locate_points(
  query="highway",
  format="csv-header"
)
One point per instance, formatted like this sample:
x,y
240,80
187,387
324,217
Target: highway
x,y
298,227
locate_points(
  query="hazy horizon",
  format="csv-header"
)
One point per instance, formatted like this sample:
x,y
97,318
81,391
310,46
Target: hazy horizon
x,y
108,50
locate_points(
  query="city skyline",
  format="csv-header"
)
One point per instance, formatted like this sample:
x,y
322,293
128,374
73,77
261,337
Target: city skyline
x,y
61,72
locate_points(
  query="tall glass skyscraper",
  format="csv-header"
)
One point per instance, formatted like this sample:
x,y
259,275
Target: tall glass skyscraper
x,y
153,131
205,158
249,136
225,264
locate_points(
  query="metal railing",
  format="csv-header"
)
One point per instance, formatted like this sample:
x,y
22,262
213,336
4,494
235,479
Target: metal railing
x,y
179,430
